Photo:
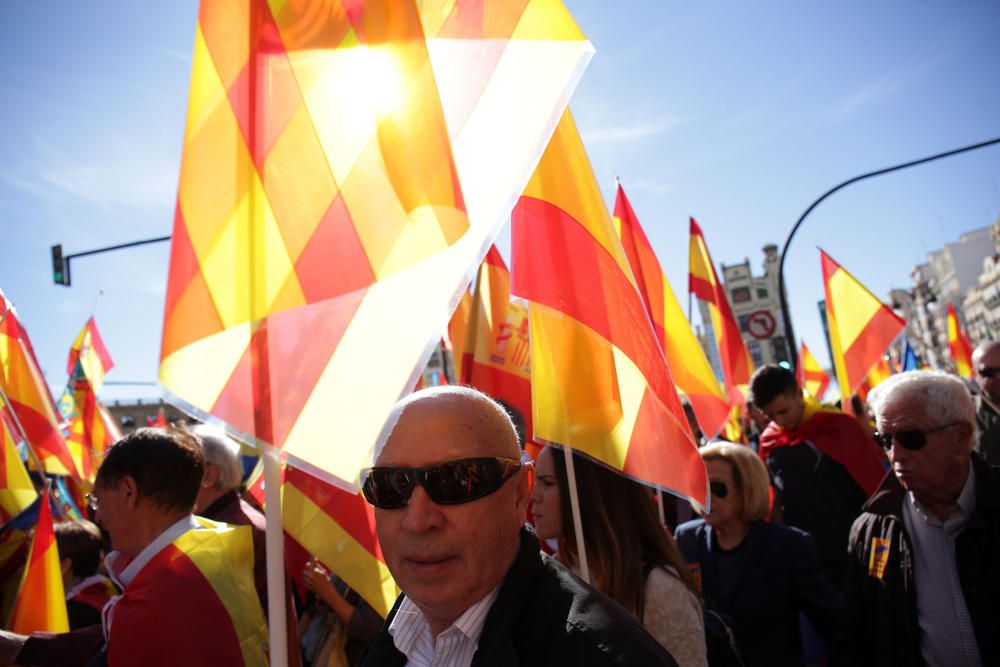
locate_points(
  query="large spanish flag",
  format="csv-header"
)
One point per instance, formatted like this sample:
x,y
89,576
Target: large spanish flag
x,y
16,490
959,345
861,327
495,354
33,412
599,381
41,600
704,283
811,376
345,167
687,361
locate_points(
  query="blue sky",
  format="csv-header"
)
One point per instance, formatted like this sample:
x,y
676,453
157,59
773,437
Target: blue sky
x,y
739,114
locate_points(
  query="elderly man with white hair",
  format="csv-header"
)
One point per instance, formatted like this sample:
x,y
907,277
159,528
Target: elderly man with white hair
x,y
923,580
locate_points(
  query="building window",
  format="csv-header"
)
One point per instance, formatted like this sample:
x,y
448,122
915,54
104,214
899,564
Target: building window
x,y
754,347
741,294
761,293
742,320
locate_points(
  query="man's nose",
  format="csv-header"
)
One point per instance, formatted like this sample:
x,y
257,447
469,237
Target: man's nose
x,y
421,513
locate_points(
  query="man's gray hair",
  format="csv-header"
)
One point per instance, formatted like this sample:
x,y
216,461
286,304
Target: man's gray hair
x,y
942,396
223,452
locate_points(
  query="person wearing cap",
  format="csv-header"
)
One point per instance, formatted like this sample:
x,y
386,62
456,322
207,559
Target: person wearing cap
x,y
450,493
923,575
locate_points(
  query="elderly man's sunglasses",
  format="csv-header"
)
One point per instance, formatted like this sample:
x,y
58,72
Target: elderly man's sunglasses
x,y
912,439
988,371
448,483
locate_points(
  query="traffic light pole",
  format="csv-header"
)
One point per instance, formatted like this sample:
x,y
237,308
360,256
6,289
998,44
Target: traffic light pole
x,y
789,331
60,262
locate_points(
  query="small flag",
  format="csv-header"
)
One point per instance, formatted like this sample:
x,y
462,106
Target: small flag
x,y
861,327
910,362
811,375
959,345
685,357
704,283
41,600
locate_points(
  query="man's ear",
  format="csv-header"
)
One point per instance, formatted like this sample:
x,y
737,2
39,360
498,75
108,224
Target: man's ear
x,y
211,475
524,479
130,488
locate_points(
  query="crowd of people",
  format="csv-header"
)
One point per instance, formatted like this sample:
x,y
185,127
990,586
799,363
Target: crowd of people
x,y
825,542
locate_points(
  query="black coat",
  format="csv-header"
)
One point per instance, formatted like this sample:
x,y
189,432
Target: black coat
x,y
880,616
781,576
544,615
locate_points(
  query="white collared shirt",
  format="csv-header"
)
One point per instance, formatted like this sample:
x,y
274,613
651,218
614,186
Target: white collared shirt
x,y
946,634
455,647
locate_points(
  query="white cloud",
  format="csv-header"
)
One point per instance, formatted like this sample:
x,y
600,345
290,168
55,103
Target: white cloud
x,y
618,134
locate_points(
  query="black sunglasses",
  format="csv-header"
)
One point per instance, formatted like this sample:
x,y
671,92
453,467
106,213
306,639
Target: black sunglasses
x,y
912,439
448,483
718,489
988,371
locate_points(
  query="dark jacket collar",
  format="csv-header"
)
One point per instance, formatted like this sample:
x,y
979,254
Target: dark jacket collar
x,y
216,507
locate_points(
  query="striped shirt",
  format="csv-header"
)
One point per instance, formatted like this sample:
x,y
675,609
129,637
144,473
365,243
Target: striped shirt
x,y
453,648
947,638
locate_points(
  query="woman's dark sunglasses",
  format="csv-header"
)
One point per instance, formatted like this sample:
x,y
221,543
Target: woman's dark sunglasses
x,y
448,483
912,439
719,489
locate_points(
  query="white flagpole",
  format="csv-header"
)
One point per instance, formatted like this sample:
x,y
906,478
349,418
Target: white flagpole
x,y
663,515
275,558
581,547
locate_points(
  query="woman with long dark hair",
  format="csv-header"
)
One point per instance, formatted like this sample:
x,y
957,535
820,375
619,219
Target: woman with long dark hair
x,y
630,555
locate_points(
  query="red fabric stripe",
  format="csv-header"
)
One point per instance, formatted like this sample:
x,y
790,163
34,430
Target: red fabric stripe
x,y
567,270
349,510
701,288
514,390
645,267
868,348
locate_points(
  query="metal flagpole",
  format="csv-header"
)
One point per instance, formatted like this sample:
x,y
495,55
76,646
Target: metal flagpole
x,y
275,558
574,501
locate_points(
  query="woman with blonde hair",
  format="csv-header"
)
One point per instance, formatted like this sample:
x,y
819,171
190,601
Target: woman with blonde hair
x,y
630,555
761,575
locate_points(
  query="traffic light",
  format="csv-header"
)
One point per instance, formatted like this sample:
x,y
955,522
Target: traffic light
x,y
60,267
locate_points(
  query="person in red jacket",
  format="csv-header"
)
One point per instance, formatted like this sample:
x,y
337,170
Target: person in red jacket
x,y
822,464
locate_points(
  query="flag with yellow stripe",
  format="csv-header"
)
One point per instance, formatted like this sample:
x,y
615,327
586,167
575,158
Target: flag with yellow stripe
x,y
812,378
599,380
41,601
685,357
861,327
959,345
16,490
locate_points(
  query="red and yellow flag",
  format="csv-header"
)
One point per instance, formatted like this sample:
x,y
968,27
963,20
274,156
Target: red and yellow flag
x,y
495,353
16,490
599,381
879,372
41,600
338,528
959,345
811,376
685,357
704,283
861,327
30,402
345,167
201,582
91,428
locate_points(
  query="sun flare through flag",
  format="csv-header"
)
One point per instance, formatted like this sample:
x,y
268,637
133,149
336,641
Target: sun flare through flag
x,y
685,357
345,167
861,327
599,381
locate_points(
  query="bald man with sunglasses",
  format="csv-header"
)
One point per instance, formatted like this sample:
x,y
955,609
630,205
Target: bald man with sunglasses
x,y
450,492
923,578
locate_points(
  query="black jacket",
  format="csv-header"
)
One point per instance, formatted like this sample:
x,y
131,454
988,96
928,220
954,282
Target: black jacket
x,y
880,617
779,577
544,615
